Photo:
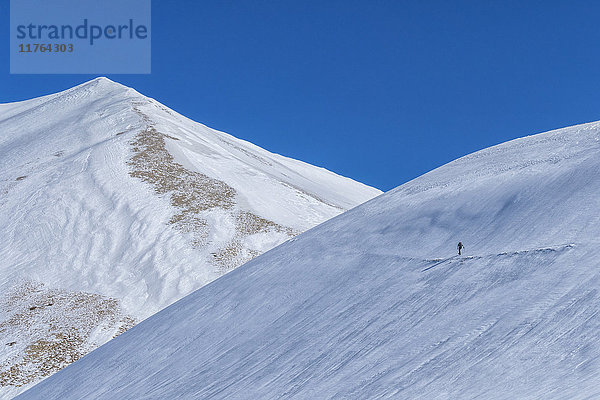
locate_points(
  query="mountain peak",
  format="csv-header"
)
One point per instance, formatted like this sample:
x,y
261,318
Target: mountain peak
x,y
103,78
114,206
101,83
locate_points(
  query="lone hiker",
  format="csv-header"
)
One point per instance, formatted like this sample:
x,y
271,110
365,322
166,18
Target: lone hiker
x,y
460,247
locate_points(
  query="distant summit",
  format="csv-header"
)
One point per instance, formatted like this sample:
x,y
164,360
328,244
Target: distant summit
x,y
113,206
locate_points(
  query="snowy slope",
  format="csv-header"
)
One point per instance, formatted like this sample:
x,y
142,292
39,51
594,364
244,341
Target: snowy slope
x,y
113,206
375,303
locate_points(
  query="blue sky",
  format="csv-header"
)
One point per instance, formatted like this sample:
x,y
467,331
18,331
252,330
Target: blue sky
x,y
380,91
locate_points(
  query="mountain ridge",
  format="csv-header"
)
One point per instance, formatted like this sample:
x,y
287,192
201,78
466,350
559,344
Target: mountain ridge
x,y
116,206
361,307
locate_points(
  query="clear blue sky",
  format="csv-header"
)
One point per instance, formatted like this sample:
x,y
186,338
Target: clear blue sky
x,y
380,91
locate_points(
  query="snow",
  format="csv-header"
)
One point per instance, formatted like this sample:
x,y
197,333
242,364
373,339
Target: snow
x,y
73,218
376,304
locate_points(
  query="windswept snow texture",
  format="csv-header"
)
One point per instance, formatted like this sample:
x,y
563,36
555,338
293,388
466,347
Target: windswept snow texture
x,y
114,206
375,303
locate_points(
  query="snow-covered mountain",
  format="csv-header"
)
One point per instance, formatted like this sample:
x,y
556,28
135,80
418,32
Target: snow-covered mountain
x,y
375,303
113,206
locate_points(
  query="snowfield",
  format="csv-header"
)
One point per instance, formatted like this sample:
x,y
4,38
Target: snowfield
x,y
113,206
375,303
